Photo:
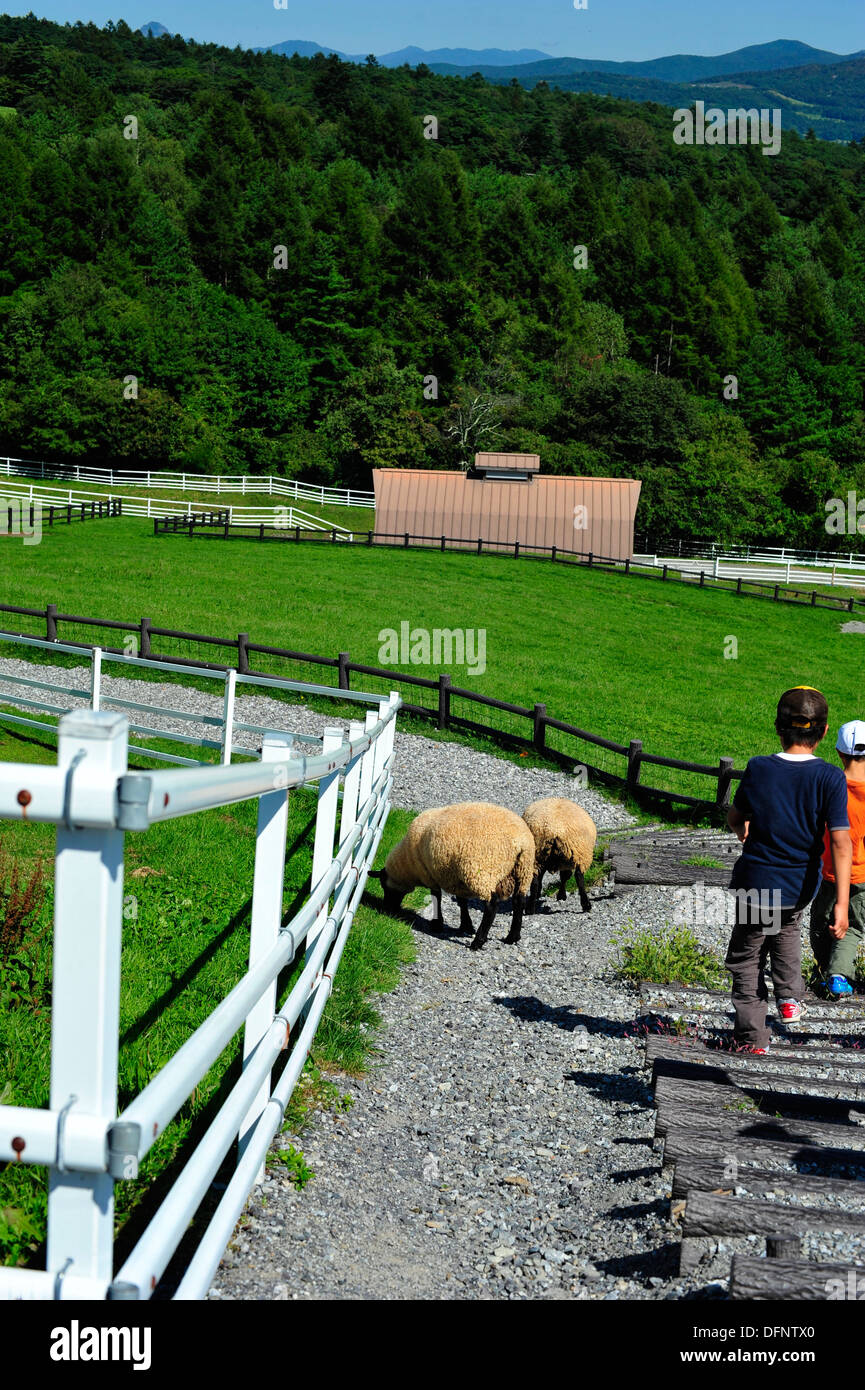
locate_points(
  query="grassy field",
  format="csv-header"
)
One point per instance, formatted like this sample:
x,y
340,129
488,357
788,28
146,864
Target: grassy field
x,y
623,657
185,944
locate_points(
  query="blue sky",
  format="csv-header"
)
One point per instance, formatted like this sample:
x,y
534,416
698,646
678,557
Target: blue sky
x,y
618,29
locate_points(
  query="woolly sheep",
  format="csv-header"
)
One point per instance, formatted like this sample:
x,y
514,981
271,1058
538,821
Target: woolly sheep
x,y
564,836
473,850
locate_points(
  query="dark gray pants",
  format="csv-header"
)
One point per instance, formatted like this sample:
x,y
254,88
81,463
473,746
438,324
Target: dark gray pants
x,y
751,943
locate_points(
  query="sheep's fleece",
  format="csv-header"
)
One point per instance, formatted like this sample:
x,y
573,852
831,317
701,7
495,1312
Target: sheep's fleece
x,y
472,849
563,832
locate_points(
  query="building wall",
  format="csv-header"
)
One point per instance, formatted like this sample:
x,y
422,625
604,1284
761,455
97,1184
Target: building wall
x,y
433,503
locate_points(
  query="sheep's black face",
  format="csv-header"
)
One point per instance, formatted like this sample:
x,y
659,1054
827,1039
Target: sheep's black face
x,y
393,894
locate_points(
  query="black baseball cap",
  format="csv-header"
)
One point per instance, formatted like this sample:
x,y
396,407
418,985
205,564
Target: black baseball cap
x,y
803,708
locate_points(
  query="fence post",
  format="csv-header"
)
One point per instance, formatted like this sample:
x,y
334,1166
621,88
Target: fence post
x,y
635,753
775,595
228,715
702,579
849,605
725,777
516,550
243,653
267,893
85,1009
95,677
590,559
664,572
539,730
443,543
325,824
344,682
369,537
739,585
144,637
51,622
554,553
406,541
444,711
480,544
813,598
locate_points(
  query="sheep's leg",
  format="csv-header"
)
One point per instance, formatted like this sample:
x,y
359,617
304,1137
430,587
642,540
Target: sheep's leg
x,y
585,904
513,935
437,920
466,924
563,885
483,930
535,891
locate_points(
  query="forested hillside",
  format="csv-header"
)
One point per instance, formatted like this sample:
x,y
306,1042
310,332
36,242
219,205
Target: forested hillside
x,y
408,258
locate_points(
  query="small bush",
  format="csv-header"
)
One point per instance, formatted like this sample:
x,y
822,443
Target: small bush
x,y
22,930
673,955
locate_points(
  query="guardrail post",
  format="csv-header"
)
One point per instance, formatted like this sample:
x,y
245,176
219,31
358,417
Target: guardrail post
x,y
325,825
228,715
243,654
144,637
85,1009
95,677
51,622
344,682
539,728
635,754
444,711
725,778
267,894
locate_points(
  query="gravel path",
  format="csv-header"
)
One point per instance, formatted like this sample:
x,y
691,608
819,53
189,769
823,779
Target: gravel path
x,y
501,1145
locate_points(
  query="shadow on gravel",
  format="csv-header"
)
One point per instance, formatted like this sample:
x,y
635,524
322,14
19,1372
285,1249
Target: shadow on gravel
x,y
529,1009
611,1085
663,1261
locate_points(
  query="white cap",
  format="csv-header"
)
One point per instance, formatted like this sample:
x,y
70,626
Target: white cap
x,y
851,738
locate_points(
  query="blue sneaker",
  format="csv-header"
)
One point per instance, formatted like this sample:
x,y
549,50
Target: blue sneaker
x,y
838,986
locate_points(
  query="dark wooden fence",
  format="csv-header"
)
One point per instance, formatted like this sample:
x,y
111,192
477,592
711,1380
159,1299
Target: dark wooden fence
x,y
434,699
219,525
12,517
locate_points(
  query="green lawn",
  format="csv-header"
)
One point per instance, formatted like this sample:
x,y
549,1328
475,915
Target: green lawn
x,y
622,657
185,944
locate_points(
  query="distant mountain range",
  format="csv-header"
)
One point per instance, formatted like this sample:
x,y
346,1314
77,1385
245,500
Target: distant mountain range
x,y
680,67
819,90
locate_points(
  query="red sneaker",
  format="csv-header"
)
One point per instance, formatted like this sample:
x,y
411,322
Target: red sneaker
x,y
791,1010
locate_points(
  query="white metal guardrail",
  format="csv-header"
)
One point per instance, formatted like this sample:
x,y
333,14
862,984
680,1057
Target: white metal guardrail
x,y
192,482
225,725
95,802
287,517
838,572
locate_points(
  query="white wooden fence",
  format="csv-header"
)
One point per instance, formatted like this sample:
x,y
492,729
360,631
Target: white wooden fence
x,y
191,482
42,495
95,801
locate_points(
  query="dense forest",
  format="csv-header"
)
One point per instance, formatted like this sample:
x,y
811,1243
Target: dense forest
x,y
239,262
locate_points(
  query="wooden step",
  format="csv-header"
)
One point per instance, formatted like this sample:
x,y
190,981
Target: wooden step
x,y
695,1143
799,1280
708,1175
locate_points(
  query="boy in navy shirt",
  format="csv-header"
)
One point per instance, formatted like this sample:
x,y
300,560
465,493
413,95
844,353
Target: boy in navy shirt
x,y
783,806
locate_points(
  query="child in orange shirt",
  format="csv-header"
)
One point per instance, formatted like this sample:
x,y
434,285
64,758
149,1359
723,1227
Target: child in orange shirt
x,y
836,956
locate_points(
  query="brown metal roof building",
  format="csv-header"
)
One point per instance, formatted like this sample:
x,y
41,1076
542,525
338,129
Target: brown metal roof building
x,y
505,500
